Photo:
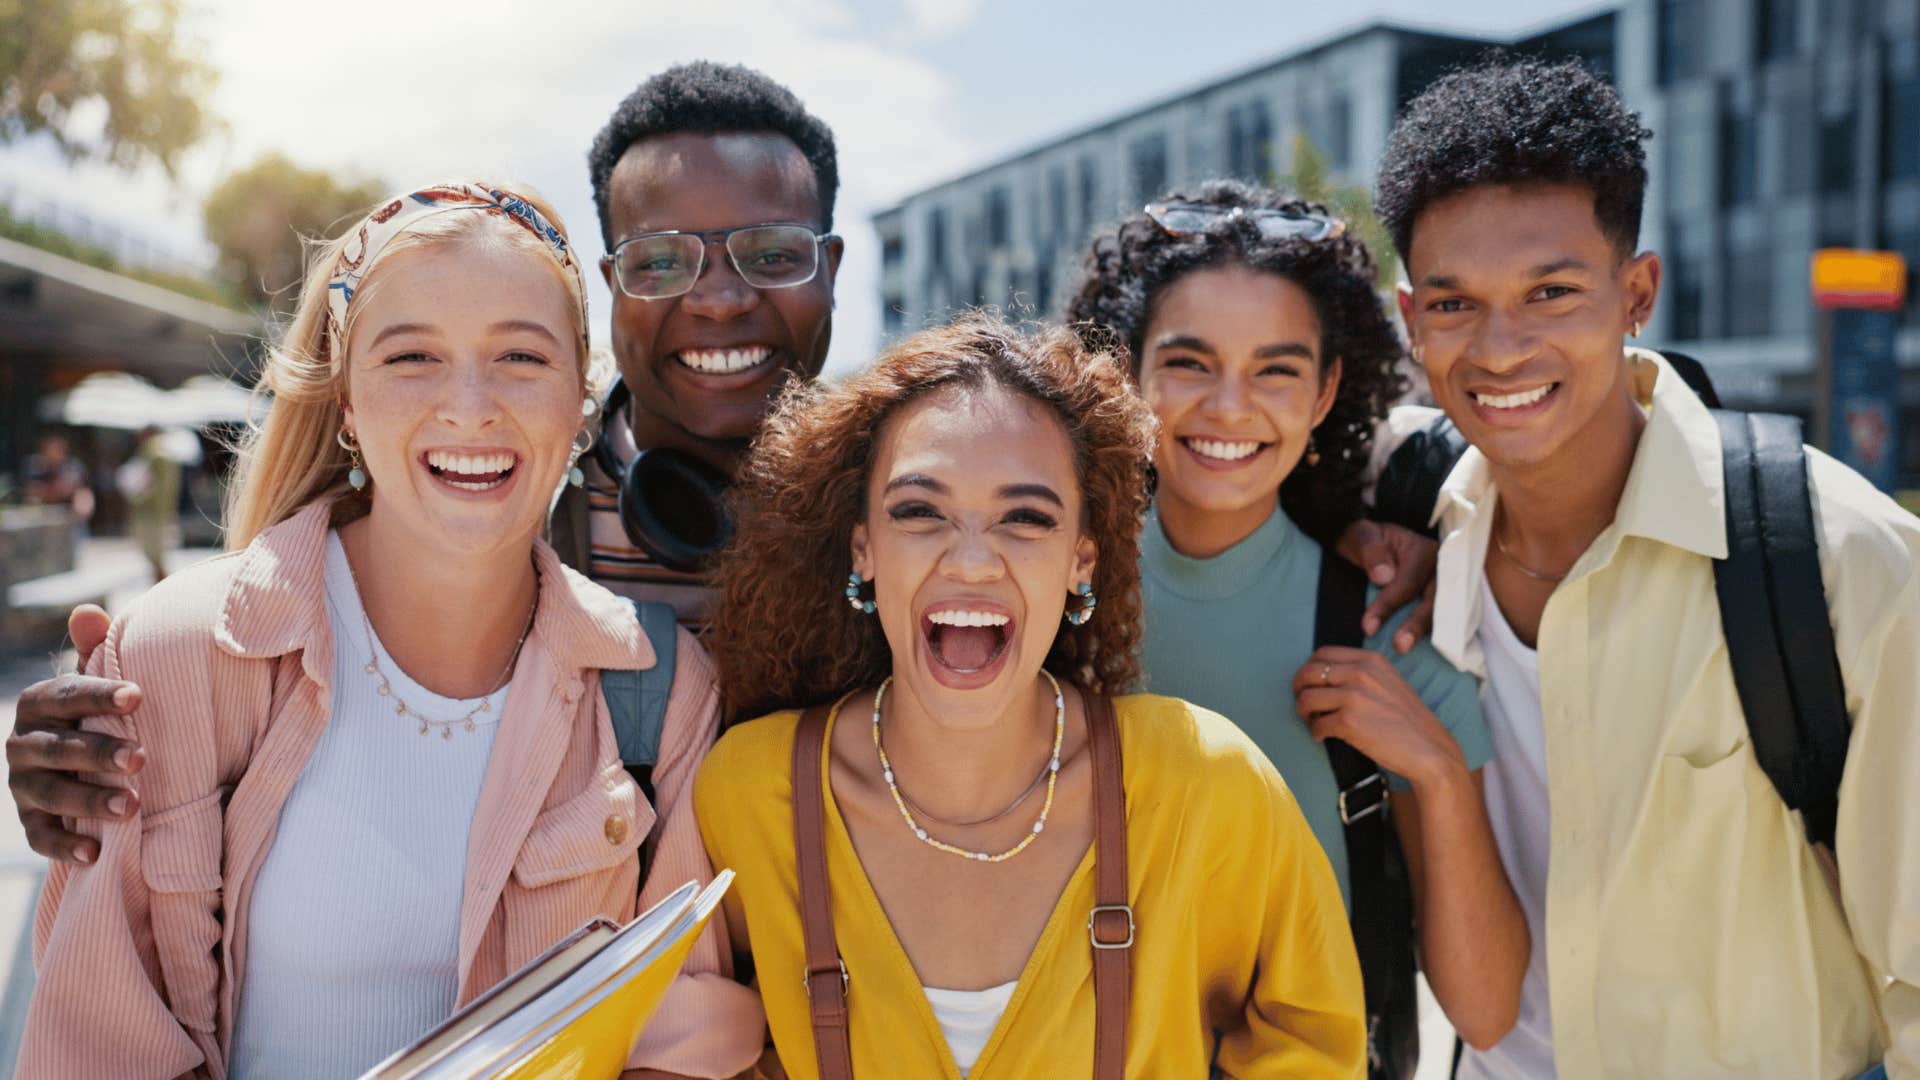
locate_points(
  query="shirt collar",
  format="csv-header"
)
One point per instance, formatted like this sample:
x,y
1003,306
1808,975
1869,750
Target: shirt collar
x,y
276,602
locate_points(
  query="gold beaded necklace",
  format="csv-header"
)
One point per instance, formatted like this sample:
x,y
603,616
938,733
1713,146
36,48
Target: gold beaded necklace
x,y
1053,777
401,708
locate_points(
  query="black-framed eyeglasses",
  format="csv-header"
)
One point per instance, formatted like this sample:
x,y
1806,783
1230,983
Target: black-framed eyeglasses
x,y
655,266
1187,219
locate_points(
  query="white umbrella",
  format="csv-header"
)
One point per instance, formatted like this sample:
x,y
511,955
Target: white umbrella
x,y
210,399
111,399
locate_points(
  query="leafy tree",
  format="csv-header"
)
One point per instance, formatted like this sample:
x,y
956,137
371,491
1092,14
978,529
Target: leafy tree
x,y
60,59
1311,180
259,218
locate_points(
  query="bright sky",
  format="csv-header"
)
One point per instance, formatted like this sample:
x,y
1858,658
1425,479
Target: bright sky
x,y
916,91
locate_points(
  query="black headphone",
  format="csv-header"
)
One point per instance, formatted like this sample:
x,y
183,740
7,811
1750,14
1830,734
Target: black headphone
x,y
673,505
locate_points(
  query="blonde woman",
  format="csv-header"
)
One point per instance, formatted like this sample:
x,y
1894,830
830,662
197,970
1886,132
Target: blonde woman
x,y
381,775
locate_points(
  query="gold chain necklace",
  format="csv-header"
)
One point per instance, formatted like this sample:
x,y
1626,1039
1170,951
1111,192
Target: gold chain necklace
x,y
401,708
1053,777
1536,575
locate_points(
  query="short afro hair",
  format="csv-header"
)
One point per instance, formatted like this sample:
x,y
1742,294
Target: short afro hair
x,y
711,98
1516,122
1132,263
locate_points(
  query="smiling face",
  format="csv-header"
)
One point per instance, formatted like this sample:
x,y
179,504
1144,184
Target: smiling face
x,y
704,366
464,391
1231,365
1519,309
972,540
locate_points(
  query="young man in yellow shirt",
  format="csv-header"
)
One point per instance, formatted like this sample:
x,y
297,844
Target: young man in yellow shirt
x,y
1687,927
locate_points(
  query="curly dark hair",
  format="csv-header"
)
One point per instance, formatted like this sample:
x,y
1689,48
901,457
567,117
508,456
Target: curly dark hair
x,y
709,98
1516,122
1132,262
783,635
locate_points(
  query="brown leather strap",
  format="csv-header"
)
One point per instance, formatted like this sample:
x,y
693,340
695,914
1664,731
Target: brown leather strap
x,y
1110,925
826,975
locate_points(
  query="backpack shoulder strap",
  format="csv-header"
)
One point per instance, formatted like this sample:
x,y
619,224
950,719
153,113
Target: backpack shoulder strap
x,y
1110,925
1411,479
637,700
1774,616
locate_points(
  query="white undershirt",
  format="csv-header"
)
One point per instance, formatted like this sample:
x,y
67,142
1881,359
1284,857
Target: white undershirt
x,y
967,1018
1516,781
353,930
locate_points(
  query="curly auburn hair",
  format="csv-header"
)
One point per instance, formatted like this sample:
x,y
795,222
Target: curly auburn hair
x,y
1131,263
783,635
1516,122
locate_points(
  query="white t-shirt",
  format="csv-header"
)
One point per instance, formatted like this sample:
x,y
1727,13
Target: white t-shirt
x,y
354,928
1516,783
967,1018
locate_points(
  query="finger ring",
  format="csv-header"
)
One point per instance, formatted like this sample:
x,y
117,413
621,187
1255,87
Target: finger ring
x,y
1326,674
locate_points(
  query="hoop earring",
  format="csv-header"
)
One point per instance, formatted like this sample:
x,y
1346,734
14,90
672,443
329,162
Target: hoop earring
x,y
1088,602
575,474
1636,328
1313,450
864,607
357,475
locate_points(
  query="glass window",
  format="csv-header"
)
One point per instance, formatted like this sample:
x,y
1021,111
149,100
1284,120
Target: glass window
x,y
1778,28
1148,161
1089,193
1739,158
1339,145
1900,127
1249,142
1749,300
1836,152
1688,281
1058,223
999,218
1679,26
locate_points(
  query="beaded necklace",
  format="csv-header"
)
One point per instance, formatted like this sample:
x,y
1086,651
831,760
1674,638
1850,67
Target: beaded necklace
x,y
1053,776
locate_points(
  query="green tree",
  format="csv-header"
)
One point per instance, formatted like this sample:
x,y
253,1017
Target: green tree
x,y
260,217
60,59
1311,180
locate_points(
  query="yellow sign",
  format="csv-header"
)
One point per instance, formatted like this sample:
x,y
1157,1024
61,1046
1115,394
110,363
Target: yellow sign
x,y
1845,277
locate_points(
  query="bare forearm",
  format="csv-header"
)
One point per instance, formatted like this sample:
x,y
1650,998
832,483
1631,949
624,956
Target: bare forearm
x,y
1473,935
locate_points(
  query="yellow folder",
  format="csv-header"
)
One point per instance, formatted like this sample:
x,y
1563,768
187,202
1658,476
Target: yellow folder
x,y
574,1011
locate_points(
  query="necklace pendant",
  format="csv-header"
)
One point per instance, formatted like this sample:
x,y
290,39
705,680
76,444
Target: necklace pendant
x,y
385,690
423,727
400,709
483,708
446,733
371,668
469,724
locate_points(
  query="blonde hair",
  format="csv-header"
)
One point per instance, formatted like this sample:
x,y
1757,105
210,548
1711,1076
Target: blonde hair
x,y
292,458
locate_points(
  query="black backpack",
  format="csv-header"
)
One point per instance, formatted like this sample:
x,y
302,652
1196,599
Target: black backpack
x,y
1773,604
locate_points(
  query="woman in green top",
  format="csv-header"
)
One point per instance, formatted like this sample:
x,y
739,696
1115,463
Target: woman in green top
x,y
1256,336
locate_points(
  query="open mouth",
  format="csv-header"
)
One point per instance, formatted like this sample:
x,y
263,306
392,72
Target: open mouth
x,y
968,644
1515,401
731,361
474,472
1223,453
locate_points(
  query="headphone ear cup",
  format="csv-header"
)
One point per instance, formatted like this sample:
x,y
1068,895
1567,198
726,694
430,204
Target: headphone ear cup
x,y
673,506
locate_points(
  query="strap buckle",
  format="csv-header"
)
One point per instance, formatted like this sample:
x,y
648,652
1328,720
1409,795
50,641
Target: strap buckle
x,y
807,977
1376,803
1093,918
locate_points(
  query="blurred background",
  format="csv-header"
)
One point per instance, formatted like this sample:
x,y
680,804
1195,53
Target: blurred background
x,y
161,160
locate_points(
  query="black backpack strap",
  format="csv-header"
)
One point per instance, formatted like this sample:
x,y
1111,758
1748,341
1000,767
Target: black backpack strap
x,y
1773,613
1409,483
1376,869
637,700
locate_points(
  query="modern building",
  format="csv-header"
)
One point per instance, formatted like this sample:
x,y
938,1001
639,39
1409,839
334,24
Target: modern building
x,y
1781,126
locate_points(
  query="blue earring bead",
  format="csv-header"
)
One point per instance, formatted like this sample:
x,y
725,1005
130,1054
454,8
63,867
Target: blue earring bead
x,y
1084,591
357,478
865,607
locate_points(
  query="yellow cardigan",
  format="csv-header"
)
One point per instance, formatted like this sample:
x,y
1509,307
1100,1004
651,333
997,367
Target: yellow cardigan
x,y
1243,940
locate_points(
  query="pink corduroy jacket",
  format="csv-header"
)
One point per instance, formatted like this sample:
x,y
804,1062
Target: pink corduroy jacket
x,y
140,956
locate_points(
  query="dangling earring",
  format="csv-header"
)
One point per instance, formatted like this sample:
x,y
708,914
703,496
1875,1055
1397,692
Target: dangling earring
x,y
357,475
575,475
865,607
1313,450
1636,328
1087,603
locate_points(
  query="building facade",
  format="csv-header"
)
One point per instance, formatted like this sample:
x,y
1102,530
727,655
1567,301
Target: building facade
x,y
1781,126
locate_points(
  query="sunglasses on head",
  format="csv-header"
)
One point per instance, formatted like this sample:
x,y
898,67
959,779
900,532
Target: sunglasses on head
x,y
1187,219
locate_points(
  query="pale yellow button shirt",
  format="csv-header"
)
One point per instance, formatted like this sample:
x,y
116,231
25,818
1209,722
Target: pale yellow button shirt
x,y
1691,931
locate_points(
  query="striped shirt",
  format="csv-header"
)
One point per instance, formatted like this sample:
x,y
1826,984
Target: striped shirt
x,y
615,562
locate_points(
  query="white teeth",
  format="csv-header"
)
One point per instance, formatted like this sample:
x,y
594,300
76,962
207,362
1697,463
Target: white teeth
x,y
1225,451
1513,401
958,617
451,463
724,361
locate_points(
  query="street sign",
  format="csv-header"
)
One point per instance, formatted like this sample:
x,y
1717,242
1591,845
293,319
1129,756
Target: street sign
x,y
1857,407
1846,278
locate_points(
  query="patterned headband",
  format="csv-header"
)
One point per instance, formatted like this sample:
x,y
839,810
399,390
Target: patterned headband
x,y
380,227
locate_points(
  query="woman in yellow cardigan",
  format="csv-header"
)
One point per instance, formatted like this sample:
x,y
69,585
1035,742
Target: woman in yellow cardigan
x,y
945,549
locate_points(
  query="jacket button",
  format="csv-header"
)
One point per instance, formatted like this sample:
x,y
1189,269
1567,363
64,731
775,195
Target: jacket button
x,y
616,829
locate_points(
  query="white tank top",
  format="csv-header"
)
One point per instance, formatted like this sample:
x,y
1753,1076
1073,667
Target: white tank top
x,y
967,1018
